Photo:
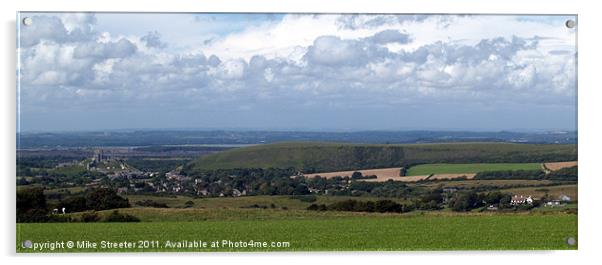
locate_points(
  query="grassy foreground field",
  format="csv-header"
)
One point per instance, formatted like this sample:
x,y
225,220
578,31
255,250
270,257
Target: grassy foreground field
x,y
428,169
394,232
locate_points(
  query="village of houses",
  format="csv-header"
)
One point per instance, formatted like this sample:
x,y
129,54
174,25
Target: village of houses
x,y
133,181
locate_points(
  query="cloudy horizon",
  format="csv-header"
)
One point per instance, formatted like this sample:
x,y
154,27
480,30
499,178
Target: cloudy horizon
x,y
106,71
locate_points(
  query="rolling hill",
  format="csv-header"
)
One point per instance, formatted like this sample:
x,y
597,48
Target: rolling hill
x,y
323,156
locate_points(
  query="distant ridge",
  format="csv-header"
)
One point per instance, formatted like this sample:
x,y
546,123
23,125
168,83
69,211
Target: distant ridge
x,y
327,156
188,137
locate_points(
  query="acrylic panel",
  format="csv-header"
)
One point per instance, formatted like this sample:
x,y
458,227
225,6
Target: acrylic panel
x,y
180,132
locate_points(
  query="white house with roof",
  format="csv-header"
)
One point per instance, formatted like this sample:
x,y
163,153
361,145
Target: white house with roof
x,y
521,199
562,200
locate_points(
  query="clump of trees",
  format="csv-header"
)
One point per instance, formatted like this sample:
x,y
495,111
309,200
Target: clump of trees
x,y
467,201
568,174
464,201
255,181
32,205
433,200
381,206
317,207
89,217
97,199
390,188
430,201
358,175
116,216
153,204
564,174
403,171
511,174
254,206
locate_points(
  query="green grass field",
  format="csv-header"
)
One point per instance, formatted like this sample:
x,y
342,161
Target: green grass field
x,y
469,184
370,232
428,169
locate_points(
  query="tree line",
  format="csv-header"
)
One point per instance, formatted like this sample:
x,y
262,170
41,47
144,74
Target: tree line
x,y
33,207
434,200
564,174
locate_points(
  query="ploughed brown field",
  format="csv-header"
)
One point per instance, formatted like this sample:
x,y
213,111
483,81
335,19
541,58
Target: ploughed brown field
x,y
384,174
559,165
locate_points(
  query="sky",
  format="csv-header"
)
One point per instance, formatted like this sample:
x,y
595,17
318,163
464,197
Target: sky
x,y
310,72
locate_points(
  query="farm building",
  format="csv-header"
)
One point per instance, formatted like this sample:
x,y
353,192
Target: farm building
x,y
564,198
552,203
521,199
